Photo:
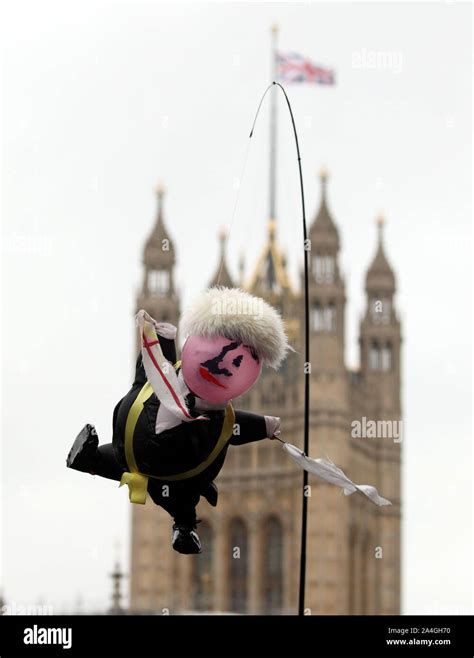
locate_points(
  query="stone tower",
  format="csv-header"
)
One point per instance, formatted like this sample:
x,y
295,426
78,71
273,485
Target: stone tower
x,y
158,294
251,541
222,276
326,590
379,386
149,532
258,484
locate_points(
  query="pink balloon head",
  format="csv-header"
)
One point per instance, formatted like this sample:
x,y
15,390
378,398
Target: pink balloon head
x,y
219,369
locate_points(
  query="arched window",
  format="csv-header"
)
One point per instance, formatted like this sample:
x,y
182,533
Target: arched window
x,y
364,575
386,357
324,269
324,317
360,561
374,356
238,566
318,268
330,317
273,566
317,317
158,282
386,310
202,583
352,570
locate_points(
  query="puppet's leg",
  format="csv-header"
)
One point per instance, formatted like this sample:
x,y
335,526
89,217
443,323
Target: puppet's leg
x,y
106,464
86,456
179,499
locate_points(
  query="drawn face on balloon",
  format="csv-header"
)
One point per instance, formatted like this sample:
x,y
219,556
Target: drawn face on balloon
x,y
219,369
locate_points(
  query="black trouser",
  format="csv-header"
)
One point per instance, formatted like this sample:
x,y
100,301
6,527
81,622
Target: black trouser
x,y
179,499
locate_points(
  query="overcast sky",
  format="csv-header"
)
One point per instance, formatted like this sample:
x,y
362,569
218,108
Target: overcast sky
x,y
104,99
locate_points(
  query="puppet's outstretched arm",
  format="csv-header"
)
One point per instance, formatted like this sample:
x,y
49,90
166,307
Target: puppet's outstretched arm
x,y
86,455
167,335
253,427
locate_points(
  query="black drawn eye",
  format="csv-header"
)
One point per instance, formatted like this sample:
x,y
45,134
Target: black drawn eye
x,y
238,360
213,364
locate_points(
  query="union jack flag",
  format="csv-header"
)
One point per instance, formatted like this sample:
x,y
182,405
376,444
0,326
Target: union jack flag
x,y
292,67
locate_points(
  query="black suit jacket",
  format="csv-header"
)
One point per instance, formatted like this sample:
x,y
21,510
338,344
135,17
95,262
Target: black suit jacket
x,y
185,446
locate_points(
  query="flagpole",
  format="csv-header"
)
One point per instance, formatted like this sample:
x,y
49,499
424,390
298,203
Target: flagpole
x,y
273,125
301,606
273,158
325,77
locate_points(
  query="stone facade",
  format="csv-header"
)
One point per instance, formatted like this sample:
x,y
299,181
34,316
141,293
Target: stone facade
x,y
250,561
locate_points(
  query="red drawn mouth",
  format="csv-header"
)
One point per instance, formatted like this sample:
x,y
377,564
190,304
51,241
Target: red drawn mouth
x,y
205,374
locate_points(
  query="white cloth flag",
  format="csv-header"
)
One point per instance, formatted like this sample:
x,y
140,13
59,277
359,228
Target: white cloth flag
x,y
329,472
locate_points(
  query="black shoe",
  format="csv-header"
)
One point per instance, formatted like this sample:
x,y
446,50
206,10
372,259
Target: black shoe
x,y
82,456
185,539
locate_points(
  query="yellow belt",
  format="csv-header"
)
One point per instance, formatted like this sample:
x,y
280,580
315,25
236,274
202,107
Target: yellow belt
x,y
138,482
